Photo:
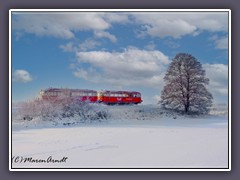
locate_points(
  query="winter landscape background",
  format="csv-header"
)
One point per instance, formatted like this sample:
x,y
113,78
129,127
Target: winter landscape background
x,y
137,136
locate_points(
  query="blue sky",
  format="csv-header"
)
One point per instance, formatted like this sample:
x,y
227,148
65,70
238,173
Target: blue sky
x,y
115,51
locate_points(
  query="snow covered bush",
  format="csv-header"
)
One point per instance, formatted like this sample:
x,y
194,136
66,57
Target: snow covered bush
x,y
84,111
37,108
64,110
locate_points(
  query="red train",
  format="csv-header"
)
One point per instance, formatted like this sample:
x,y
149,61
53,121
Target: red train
x,y
119,97
106,97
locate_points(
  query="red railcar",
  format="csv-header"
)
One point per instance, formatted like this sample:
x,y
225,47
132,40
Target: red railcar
x,y
54,94
106,97
119,97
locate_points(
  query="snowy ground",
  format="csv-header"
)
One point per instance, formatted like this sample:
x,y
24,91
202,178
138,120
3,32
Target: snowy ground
x,y
135,137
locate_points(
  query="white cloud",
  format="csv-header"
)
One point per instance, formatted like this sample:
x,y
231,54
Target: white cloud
x,y
156,98
178,24
156,24
103,34
176,29
171,44
69,47
21,76
61,25
130,67
218,76
222,43
150,46
121,18
88,44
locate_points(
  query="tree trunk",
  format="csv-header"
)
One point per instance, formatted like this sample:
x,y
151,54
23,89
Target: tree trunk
x,y
186,108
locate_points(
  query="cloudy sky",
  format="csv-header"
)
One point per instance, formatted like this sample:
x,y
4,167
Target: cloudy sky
x,y
114,50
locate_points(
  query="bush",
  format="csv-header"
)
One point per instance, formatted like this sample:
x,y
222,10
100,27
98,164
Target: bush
x,y
62,110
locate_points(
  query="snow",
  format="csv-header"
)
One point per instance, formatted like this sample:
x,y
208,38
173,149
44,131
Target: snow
x,y
141,136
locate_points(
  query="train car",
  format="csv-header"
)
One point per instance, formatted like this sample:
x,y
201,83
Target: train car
x,y
57,94
106,97
119,97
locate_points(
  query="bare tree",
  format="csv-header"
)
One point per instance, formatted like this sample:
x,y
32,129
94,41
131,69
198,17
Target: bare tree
x,y
185,86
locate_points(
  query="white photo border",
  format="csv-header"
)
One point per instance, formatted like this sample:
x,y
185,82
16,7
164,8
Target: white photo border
x,y
120,169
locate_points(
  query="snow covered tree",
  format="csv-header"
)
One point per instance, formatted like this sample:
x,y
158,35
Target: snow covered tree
x,y
185,86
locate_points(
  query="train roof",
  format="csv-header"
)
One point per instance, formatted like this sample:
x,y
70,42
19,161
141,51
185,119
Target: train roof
x,y
66,89
121,92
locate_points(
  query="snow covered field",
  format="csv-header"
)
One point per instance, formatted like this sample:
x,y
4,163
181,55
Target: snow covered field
x,y
134,137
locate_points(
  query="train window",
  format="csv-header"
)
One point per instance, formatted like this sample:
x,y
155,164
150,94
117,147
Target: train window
x,y
137,95
75,94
